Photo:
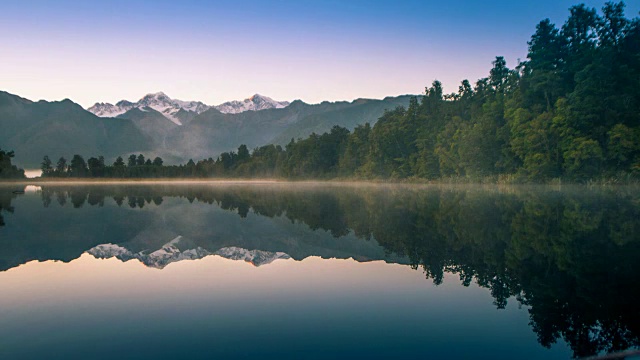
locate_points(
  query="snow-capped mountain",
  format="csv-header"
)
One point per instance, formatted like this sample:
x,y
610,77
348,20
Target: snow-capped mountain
x,y
255,257
168,107
254,103
171,253
159,102
108,110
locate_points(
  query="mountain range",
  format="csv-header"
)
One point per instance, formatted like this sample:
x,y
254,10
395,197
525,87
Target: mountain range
x,y
171,252
176,130
172,109
254,103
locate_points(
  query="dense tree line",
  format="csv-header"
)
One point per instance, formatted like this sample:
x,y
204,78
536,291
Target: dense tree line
x,y
95,167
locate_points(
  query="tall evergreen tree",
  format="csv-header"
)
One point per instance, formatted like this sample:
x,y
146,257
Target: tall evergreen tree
x,y
78,167
46,167
61,167
140,160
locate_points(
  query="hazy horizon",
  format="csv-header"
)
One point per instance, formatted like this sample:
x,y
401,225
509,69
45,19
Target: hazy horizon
x,y
329,51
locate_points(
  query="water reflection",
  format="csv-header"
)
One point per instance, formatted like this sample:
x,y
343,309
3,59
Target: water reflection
x,y
570,256
5,204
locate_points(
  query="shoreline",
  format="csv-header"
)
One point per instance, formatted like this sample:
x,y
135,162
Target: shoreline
x,y
273,181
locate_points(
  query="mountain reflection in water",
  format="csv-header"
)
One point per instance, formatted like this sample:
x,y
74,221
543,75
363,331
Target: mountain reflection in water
x,y
570,256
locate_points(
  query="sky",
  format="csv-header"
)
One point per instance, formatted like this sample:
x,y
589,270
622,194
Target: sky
x,y
216,51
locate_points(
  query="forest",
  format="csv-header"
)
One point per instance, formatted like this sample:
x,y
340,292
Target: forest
x,y
570,111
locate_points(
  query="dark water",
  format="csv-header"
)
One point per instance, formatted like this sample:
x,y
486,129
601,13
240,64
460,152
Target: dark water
x,y
301,271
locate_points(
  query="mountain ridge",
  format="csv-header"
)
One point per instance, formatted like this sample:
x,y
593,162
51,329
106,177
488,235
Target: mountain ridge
x,y
169,107
170,253
158,101
253,103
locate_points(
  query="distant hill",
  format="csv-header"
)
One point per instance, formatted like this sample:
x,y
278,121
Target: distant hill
x,y
63,128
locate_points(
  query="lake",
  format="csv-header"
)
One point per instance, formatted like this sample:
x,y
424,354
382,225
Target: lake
x,y
316,271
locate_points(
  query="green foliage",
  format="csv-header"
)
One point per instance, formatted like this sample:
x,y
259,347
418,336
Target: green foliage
x,y
392,142
623,146
78,167
356,150
583,159
96,166
157,161
7,170
243,154
140,160
46,167
119,162
61,167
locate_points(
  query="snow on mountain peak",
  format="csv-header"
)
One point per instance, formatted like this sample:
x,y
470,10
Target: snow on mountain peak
x,y
158,97
169,107
254,257
159,102
108,110
253,103
170,252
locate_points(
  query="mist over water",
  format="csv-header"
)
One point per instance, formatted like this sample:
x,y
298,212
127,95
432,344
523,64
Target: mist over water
x,y
317,270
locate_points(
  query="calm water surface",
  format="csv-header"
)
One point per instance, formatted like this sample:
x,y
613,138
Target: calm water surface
x,y
330,271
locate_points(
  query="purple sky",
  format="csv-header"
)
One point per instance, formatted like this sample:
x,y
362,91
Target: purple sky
x,y
226,50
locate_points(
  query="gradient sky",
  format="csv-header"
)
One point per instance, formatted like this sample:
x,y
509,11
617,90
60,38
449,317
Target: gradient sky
x,y
215,51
